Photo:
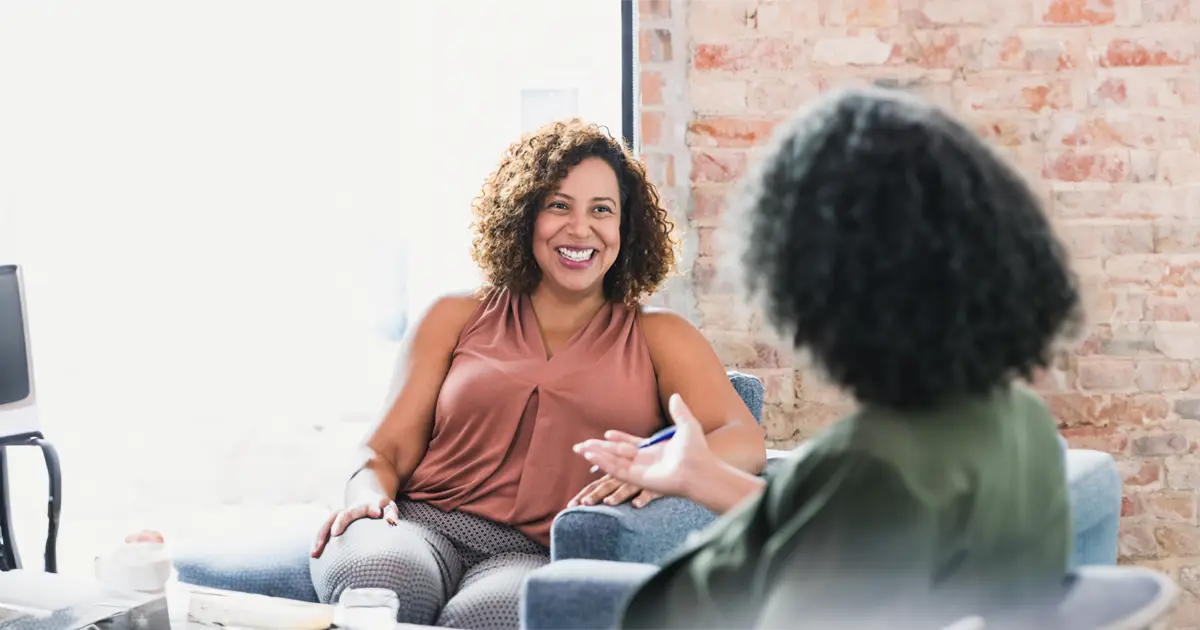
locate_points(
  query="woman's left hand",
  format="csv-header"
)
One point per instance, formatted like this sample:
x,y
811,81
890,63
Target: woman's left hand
x,y
612,491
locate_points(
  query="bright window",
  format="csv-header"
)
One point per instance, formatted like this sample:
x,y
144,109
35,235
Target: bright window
x,y
225,209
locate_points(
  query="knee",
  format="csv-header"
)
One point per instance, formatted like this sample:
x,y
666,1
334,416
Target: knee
x,y
373,554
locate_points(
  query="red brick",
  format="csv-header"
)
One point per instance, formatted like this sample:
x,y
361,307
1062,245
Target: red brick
x,y
1179,167
1139,472
1114,128
1071,166
1108,91
1169,505
654,44
1178,539
1165,308
652,128
652,88
862,13
1177,340
718,96
729,132
660,167
727,20
1145,91
1168,11
707,241
718,167
1009,93
1119,53
710,279
724,313
1159,444
1119,203
927,13
777,386
1136,541
737,351
1078,12
708,203
1159,376
1085,240
1034,51
777,95
654,9
1075,410
940,48
866,48
1128,507
1101,374
740,56
1176,237
1107,439
1183,473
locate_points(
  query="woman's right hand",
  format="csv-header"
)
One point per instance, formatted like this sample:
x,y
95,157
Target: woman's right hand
x,y
337,522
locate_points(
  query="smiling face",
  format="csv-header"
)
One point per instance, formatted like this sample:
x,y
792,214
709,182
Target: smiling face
x,y
577,234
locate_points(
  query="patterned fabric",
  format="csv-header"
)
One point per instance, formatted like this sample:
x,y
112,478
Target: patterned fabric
x,y
451,569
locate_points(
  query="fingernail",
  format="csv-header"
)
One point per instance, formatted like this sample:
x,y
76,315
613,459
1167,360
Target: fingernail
x,y
610,501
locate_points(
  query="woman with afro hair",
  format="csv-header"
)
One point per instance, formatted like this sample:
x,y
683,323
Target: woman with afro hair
x,y
917,269
457,486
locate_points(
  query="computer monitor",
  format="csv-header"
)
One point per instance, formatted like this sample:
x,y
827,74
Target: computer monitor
x,y
18,409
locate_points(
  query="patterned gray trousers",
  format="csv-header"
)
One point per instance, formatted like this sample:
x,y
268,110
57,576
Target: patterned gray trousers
x,y
451,569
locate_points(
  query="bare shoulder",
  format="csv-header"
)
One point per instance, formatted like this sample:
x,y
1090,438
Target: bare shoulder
x,y
445,319
663,326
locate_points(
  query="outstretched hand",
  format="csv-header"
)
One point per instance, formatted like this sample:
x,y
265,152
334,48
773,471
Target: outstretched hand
x,y
665,468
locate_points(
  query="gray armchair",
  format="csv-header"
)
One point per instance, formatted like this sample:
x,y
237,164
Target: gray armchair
x,y
602,532
274,562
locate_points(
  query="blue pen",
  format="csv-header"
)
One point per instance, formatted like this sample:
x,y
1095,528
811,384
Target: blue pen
x,y
661,436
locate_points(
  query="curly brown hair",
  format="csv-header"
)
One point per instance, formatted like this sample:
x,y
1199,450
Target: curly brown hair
x,y
532,168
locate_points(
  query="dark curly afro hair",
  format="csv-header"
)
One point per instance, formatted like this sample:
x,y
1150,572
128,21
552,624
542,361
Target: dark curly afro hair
x,y
913,263
531,169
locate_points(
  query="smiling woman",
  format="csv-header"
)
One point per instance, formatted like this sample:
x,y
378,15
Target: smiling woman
x,y
474,459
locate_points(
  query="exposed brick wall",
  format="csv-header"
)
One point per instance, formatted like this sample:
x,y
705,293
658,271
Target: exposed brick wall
x,y
1097,101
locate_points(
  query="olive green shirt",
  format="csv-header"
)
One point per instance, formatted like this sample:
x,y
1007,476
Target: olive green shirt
x,y
892,519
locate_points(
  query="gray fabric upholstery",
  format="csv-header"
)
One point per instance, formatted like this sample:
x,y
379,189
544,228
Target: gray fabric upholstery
x,y
648,534
603,587
1120,598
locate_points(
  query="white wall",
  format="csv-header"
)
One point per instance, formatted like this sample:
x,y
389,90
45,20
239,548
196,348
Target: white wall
x,y
209,199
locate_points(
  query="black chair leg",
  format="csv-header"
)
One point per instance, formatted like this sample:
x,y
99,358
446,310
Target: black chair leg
x,y
9,558
53,504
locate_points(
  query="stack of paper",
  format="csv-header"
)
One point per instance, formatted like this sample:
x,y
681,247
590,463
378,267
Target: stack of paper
x,y
243,610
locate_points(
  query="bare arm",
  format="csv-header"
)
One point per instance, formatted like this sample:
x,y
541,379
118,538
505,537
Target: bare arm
x,y
686,364
393,449
723,487
397,444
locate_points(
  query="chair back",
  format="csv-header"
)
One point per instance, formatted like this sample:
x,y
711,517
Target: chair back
x,y
751,390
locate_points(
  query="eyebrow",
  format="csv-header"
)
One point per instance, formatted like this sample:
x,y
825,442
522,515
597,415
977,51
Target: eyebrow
x,y
570,198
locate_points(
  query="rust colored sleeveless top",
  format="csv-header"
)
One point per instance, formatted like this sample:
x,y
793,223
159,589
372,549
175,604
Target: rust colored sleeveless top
x,y
506,417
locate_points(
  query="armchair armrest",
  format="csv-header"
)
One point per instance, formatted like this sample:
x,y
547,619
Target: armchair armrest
x,y
579,593
625,534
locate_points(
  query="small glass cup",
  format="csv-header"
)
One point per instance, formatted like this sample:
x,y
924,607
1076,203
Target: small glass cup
x,y
367,609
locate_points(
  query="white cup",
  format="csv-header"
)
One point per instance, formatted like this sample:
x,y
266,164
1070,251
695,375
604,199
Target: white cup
x,y
139,566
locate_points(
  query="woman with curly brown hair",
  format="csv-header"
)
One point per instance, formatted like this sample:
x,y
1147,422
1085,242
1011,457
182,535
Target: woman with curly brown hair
x,y
457,487
917,268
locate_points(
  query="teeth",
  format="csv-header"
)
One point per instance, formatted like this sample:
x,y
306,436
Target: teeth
x,y
578,255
